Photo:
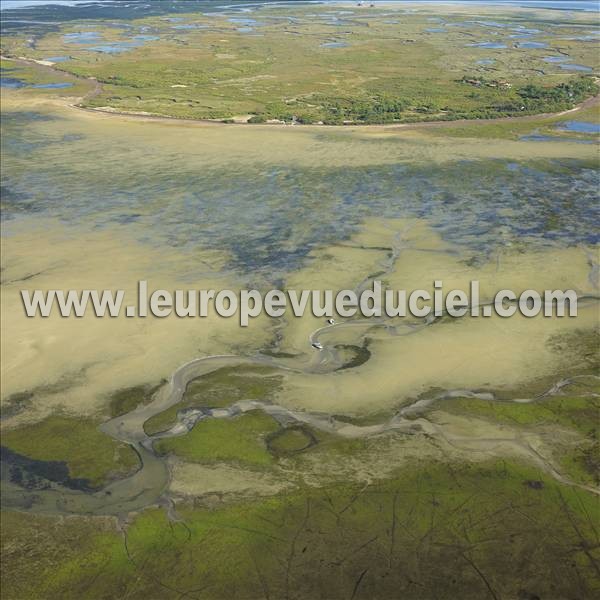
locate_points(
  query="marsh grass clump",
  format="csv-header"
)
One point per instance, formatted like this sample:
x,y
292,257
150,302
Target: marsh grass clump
x,y
127,399
241,439
74,449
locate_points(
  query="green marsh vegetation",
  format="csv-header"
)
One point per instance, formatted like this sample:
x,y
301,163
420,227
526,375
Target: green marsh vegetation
x,y
579,461
497,529
367,67
87,453
240,439
127,399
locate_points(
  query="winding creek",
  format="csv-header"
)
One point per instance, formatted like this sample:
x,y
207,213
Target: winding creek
x,y
148,485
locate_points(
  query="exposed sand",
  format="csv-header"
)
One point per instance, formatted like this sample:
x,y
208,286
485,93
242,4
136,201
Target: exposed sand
x,y
197,480
74,362
464,353
210,144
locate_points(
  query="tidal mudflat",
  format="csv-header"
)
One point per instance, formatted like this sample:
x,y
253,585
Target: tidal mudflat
x,y
166,458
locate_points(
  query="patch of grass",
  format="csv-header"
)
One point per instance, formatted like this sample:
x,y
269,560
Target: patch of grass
x,y
39,554
88,453
34,74
127,399
240,439
579,413
580,462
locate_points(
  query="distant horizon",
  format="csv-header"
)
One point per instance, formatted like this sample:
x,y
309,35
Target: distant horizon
x,y
586,5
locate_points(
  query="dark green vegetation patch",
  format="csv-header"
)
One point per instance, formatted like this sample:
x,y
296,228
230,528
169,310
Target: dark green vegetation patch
x,y
73,448
498,530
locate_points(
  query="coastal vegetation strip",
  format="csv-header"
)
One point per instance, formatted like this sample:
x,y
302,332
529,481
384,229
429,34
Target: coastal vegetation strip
x,y
375,71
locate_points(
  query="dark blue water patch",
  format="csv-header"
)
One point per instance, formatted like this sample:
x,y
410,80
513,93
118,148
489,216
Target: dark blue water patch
x,y
491,24
555,59
190,26
21,118
12,83
526,30
72,137
579,127
20,139
52,86
16,83
532,45
82,37
14,204
491,45
92,37
244,21
32,474
435,30
575,67
464,24
58,59
116,48
245,29
538,137
485,61
125,219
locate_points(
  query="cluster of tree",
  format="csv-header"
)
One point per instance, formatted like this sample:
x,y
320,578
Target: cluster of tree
x,y
529,99
379,109
567,93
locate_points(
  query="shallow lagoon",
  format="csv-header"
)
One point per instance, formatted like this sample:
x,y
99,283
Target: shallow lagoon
x,y
16,83
580,127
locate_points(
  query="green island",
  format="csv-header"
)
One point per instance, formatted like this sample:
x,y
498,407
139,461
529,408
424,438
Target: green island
x,y
316,66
